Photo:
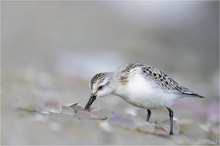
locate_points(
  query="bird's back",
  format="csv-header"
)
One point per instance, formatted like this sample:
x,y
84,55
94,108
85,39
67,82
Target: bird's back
x,y
162,80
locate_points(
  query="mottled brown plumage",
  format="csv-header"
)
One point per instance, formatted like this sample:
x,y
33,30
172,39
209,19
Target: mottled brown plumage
x,y
97,78
163,81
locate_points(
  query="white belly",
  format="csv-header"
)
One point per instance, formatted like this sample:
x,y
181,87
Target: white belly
x,y
145,94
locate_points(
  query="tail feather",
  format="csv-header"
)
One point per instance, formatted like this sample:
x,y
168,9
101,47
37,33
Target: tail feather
x,y
187,92
191,94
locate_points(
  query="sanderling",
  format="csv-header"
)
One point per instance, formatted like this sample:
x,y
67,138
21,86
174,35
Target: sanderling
x,y
140,85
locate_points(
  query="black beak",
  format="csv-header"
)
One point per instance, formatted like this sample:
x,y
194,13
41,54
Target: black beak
x,y
91,100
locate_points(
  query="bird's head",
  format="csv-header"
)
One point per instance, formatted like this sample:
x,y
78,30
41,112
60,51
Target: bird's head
x,y
100,85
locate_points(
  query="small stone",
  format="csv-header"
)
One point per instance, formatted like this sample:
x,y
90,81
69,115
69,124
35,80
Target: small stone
x,y
76,107
83,115
122,120
51,106
67,111
165,125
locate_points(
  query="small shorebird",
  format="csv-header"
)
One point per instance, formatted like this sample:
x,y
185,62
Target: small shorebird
x,y
140,85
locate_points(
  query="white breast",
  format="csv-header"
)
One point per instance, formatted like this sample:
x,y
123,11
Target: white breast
x,y
145,93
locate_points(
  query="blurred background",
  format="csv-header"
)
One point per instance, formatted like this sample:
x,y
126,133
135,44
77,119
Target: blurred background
x,y
50,50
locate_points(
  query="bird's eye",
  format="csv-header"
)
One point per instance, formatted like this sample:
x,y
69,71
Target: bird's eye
x,y
100,88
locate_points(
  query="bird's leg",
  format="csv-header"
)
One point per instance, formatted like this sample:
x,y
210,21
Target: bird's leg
x,y
148,114
171,120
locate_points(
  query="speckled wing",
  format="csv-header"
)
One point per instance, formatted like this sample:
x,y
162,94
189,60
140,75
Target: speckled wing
x,y
123,76
166,82
163,81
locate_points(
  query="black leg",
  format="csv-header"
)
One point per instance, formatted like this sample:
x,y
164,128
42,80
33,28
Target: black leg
x,y
171,120
148,114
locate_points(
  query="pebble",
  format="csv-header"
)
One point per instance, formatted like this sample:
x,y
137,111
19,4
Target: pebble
x,y
76,107
52,106
165,125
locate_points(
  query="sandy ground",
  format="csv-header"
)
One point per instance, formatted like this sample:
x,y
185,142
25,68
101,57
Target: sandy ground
x,y
50,50
34,111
